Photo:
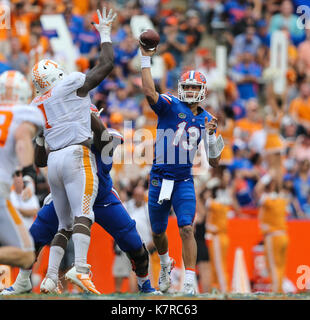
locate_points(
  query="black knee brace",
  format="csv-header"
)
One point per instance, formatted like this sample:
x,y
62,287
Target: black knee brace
x,y
61,238
140,261
82,225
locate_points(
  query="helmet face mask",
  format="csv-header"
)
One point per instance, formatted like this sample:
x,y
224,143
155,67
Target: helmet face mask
x,y
45,74
192,78
14,88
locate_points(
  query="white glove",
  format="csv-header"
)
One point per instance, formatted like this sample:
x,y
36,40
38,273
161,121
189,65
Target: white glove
x,y
216,148
105,24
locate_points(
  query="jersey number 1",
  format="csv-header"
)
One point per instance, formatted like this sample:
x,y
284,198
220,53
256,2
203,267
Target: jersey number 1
x,y
41,107
5,122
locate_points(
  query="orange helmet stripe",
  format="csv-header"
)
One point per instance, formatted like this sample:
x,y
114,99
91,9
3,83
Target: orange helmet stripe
x,y
51,62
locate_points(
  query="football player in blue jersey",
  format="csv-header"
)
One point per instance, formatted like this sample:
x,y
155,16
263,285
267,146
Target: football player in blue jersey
x,y
109,214
181,126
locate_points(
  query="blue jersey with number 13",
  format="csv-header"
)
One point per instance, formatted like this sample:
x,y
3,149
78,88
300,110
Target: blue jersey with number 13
x,y
178,135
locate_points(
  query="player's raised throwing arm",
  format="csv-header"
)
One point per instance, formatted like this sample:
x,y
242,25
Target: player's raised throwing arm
x,y
148,85
106,59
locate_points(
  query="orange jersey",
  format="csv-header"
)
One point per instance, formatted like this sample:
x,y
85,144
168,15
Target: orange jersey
x,y
249,126
301,109
80,7
274,142
273,123
227,133
21,28
273,213
217,217
4,34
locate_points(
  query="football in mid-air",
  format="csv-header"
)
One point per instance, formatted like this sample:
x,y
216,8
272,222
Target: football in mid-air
x,y
149,39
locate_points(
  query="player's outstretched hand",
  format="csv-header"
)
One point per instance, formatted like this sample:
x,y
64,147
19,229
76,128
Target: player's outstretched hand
x,y
105,21
211,125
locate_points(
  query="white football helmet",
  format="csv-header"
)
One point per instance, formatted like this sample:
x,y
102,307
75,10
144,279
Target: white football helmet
x,y
14,88
45,74
194,78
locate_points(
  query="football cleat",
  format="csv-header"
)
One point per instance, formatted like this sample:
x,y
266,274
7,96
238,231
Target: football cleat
x,y
164,275
147,288
49,286
189,289
83,280
17,288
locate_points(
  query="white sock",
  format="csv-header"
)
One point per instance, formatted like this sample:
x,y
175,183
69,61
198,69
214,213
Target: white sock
x,y
189,276
23,275
55,257
141,280
164,258
81,245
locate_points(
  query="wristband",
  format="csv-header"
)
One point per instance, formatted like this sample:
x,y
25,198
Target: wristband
x,y
215,149
105,33
105,37
212,138
145,62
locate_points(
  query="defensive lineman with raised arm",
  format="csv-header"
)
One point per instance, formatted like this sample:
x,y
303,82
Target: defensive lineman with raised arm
x,y
109,213
182,124
18,125
72,168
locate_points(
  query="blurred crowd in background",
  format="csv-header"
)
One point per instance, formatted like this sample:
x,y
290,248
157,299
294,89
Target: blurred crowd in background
x,y
263,131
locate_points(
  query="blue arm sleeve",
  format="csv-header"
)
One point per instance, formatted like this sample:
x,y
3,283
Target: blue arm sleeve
x,y
162,105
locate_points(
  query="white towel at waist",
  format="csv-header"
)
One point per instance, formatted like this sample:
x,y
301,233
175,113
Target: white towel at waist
x,y
165,190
